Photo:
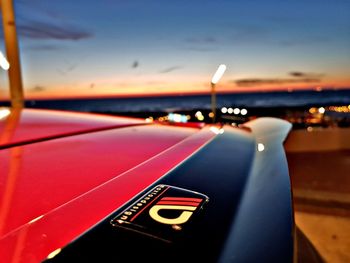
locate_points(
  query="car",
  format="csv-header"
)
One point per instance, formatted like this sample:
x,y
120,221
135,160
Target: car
x,y
80,187
83,187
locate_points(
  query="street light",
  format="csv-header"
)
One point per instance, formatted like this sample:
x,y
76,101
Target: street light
x,y
4,64
12,53
217,76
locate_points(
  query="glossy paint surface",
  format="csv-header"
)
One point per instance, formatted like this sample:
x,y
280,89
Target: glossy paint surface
x,y
53,191
218,171
248,216
23,126
264,224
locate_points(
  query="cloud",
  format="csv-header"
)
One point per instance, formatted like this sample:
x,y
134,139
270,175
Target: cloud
x,y
201,40
135,64
299,74
304,41
201,44
170,69
43,30
297,77
250,34
202,49
38,89
273,81
44,47
35,22
69,67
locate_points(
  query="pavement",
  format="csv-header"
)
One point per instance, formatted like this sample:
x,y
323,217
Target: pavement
x,y
319,166
329,234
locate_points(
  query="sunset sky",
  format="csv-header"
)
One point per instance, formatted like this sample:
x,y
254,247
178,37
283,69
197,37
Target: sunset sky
x,y
114,47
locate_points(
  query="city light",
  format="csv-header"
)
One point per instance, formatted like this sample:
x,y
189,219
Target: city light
x,y
236,111
175,117
224,110
321,110
230,110
244,112
313,110
199,116
340,108
198,113
149,119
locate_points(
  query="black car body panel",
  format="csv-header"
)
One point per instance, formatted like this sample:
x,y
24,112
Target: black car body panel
x,y
247,217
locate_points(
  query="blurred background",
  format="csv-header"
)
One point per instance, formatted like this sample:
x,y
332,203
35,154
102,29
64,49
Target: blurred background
x,y
155,60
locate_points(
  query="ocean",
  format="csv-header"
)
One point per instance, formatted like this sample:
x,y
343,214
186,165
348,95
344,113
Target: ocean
x,y
191,102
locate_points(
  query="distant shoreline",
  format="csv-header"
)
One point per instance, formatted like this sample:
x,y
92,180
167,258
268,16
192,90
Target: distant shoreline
x,y
292,105
187,95
190,102
300,108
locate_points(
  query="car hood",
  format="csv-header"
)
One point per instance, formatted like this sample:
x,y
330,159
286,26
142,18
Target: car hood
x,y
57,184
55,166
21,126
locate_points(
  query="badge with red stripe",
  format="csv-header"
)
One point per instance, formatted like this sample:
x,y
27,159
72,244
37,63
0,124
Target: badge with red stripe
x,y
163,212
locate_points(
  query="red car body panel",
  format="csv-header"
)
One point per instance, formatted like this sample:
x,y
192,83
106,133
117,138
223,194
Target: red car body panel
x,y
23,126
52,191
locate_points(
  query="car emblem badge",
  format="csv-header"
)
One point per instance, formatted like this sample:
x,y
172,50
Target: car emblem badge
x,y
164,212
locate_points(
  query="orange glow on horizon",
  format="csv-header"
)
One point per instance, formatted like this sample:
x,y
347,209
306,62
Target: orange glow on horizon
x,y
143,88
173,89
